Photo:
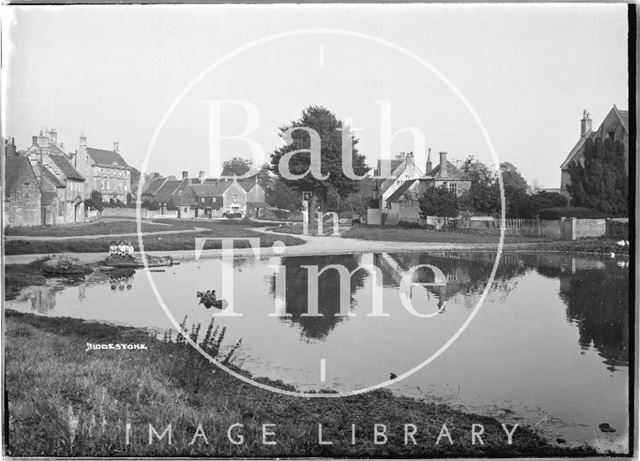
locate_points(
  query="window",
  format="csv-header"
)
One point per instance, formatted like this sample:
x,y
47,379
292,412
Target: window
x,y
453,187
202,200
235,197
612,135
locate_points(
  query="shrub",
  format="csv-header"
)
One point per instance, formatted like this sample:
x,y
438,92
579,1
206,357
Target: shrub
x,y
618,229
572,212
409,225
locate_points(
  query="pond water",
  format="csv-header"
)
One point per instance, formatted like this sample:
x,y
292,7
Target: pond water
x,y
549,346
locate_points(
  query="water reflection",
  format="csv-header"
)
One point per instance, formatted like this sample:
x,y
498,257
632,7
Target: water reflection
x,y
121,279
597,301
594,291
296,298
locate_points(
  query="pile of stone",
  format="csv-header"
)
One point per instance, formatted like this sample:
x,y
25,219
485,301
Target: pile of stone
x,y
60,265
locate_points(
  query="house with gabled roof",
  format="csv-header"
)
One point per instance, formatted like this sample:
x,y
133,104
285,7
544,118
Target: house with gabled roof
x,y
206,197
615,127
22,193
56,173
106,171
399,194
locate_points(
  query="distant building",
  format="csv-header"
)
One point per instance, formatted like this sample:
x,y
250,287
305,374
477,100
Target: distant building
x,y
615,127
105,170
399,194
206,198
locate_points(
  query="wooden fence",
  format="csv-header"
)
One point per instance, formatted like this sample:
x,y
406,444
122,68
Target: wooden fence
x,y
511,226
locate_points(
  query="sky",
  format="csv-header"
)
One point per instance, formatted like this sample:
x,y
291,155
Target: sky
x,y
125,73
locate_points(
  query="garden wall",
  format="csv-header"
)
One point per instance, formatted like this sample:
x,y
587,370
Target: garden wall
x,y
144,213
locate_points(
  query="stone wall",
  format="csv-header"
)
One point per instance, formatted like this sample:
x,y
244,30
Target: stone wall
x,y
23,206
589,228
144,213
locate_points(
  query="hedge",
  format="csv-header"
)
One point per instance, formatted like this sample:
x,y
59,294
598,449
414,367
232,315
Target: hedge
x,y
572,212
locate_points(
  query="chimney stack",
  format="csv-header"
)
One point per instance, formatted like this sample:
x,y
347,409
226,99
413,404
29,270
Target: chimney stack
x,y
10,147
52,134
185,174
429,164
443,163
83,141
201,176
34,140
585,123
116,146
409,158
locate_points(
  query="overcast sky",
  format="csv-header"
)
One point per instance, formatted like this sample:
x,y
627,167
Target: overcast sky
x,y
112,72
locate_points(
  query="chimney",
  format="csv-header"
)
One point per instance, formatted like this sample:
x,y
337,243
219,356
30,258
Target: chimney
x,y
10,147
409,158
116,146
429,164
201,176
52,134
34,140
42,140
585,123
83,141
443,163
185,175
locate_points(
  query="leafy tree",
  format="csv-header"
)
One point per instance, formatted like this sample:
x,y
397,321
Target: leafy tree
x,y
329,130
483,195
544,199
237,166
439,201
95,201
600,181
282,196
511,177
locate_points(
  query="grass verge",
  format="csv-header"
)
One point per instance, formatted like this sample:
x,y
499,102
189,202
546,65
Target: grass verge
x,y
400,234
165,242
63,401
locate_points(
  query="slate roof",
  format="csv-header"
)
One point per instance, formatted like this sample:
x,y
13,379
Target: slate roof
x,y
169,190
66,167
16,169
399,192
52,179
106,157
453,173
210,189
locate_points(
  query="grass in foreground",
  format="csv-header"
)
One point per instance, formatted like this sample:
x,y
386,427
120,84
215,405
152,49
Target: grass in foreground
x,y
166,242
63,401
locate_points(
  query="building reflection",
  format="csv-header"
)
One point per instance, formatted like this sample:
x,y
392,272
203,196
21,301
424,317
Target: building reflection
x,y
594,291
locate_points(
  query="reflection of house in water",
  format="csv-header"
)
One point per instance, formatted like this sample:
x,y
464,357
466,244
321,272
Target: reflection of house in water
x,y
458,277
43,299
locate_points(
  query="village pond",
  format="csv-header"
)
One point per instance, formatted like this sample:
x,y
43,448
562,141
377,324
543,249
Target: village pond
x,y
548,347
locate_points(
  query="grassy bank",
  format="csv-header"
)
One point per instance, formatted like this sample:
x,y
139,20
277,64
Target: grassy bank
x,y
94,228
165,242
63,401
400,234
